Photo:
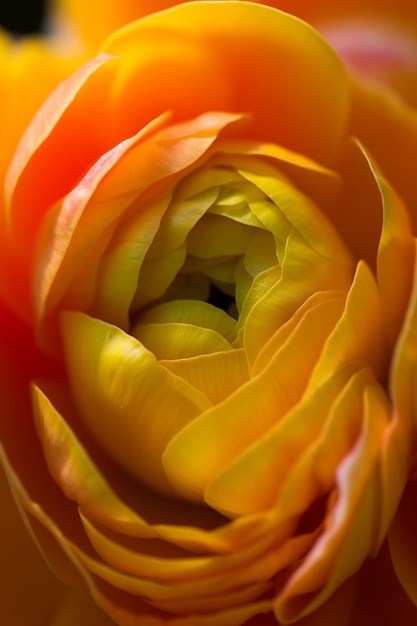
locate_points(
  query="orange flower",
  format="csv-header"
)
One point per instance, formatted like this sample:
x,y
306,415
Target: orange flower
x,y
207,312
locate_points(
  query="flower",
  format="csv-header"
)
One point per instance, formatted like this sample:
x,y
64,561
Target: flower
x,y
206,306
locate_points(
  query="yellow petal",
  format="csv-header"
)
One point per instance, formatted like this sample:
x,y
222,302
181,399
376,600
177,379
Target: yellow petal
x,y
359,335
228,428
384,239
217,375
256,478
403,366
317,182
289,291
300,212
194,312
350,535
396,249
116,384
73,470
173,340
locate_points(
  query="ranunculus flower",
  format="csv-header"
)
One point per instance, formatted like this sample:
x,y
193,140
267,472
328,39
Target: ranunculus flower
x,y
213,304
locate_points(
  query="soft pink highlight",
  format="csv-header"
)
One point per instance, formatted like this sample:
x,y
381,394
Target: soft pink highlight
x,y
373,47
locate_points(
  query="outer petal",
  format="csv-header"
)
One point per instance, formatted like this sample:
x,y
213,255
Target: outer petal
x,y
35,141
350,535
83,20
378,39
402,539
380,597
403,382
84,222
387,244
19,62
118,593
381,120
236,75
185,45
404,364
78,607
24,573
134,89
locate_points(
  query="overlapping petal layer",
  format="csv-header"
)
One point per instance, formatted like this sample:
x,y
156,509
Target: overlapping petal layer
x,y
377,40
20,61
220,335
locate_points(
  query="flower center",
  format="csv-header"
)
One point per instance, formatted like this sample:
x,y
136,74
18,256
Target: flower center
x,y
195,283
221,300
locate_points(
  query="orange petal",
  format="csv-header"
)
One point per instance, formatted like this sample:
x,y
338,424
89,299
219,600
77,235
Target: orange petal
x,y
188,60
21,60
24,573
78,607
403,541
381,599
84,222
395,250
403,367
37,141
380,120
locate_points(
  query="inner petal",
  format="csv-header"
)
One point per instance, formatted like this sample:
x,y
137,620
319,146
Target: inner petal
x,y
173,340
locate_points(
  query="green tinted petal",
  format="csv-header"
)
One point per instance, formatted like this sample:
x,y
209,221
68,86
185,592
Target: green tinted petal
x,y
174,340
191,312
215,235
156,276
117,276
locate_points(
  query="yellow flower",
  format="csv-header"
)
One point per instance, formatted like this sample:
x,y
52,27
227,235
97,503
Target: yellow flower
x,y
206,259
